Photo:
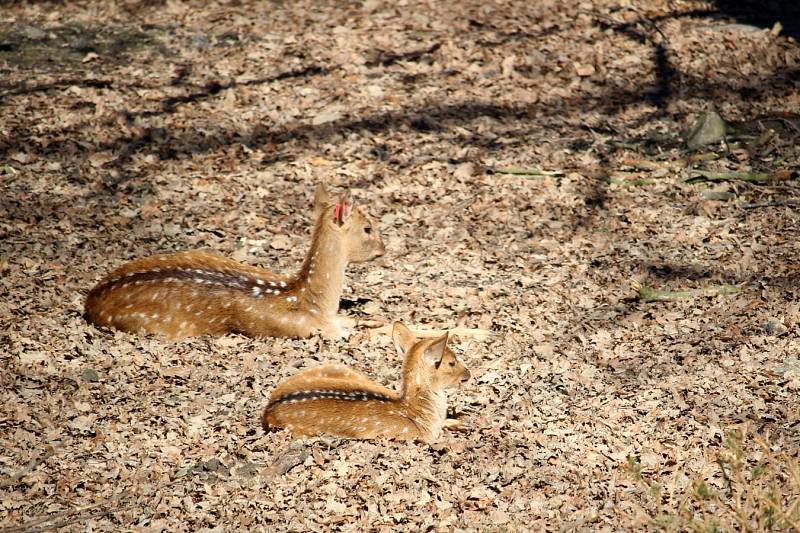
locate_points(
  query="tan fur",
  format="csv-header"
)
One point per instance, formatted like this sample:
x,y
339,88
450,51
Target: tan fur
x,y
195,293
339,401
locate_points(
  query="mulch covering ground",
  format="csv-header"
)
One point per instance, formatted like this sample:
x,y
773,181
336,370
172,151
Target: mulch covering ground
x,y
132,128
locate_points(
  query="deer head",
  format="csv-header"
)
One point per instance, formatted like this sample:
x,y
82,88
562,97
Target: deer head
x,y
354,229
429,363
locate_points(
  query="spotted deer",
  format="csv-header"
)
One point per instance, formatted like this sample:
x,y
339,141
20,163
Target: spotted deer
x,y
339,401
194,293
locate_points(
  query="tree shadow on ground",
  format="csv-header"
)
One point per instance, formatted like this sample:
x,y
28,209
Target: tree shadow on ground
x,y
440,117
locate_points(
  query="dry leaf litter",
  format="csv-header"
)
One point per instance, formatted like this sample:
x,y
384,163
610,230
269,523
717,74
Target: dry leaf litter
x,y
132,128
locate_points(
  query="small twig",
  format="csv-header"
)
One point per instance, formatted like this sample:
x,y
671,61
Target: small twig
x,y
73,518
650,22
647,294
782,203
633,183
66,517
520,171
704,175
30,467
477,334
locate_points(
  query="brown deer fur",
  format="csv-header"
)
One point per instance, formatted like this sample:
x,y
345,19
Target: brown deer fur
x,y
339,401
194,293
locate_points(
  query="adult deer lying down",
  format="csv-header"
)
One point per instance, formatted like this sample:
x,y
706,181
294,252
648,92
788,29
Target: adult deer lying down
x,y
195,293
339,401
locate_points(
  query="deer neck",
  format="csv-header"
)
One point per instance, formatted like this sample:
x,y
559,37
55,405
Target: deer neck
x,y
426,407
418,395
321,278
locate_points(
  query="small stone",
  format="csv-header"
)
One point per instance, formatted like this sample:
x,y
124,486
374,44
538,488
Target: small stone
x,y
90,375
34,34
775,327
326,117
708,129
171,230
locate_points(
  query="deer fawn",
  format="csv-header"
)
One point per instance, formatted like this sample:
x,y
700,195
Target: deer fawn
x,y
195,293
337,400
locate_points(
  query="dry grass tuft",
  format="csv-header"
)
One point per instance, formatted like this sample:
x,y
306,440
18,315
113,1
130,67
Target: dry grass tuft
x,y
751,488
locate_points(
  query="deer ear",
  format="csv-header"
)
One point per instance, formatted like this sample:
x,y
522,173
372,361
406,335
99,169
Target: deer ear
x,y
321,199
342,210
402,337
434,352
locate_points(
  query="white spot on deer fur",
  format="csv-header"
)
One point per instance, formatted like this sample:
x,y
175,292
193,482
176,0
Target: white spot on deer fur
x,y
124,285
154,316
291,299
273,284
405,430
283,284
129,306
183,325
256,291
198,280
249,308
259,281
226,305
137,282
327,275
156,270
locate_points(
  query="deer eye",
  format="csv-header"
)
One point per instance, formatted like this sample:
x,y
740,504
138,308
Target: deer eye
x,y
452,363
367,229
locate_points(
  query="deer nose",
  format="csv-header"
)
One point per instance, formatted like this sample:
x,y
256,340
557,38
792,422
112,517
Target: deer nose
x,y
465,376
